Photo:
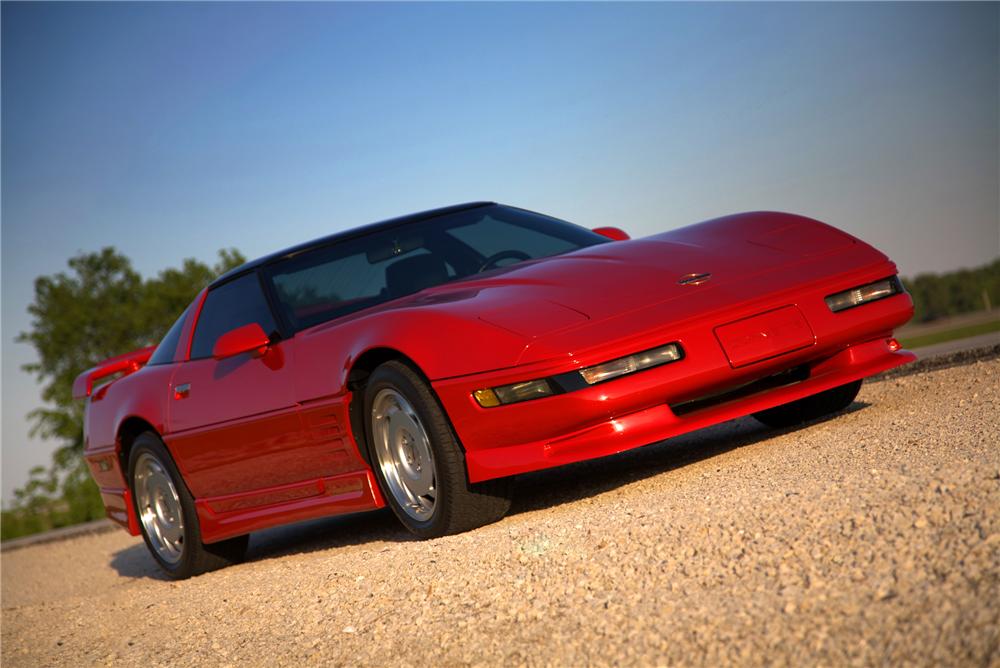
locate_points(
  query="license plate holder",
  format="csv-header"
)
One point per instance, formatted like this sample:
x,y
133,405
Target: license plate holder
x,y
764,336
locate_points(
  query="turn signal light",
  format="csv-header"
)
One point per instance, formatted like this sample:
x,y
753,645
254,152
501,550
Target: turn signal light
x,y
513,393
486,398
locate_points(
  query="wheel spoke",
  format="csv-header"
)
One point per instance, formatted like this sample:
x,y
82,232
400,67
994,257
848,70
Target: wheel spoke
x,y
160,509
422,486
404,453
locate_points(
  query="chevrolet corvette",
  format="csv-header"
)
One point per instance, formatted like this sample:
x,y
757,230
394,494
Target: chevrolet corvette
x,y
423,362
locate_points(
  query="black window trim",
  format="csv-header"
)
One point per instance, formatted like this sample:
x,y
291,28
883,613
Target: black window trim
x,y
282,329
174,354
285,329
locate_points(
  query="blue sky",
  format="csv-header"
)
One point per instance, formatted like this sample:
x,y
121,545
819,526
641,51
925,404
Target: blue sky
x,y
170,130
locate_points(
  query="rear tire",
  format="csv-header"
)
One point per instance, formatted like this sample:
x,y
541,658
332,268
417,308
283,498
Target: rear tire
x,y
167,516
418,462
810,408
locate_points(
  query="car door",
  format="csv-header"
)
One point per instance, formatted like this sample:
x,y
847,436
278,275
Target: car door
x,y
234,426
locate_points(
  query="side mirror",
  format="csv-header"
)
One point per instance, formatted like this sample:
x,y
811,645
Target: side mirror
x,y
241,340
613,233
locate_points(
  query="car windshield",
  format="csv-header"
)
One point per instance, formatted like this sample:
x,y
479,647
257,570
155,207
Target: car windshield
x,y
331,281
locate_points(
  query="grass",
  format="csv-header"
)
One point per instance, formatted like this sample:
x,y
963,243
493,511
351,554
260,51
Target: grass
x,y
951,334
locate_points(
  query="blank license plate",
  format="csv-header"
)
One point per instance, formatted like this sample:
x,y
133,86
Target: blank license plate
x,y
763,336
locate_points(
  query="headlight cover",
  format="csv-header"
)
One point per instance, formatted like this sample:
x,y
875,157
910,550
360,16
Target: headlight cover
x,y
887,287
631,363
577,380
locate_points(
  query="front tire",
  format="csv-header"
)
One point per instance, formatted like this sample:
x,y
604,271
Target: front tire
x,y
167,515
810,408
418,462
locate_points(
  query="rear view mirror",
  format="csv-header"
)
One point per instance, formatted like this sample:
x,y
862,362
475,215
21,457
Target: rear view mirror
x,y
241,340
399,246
614,233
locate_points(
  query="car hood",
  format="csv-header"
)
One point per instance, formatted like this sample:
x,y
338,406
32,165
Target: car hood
x,y
538,297
600,282
564,304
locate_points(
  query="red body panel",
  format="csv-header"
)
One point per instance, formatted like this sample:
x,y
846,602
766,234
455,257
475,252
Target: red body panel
x,y
263,440
222,416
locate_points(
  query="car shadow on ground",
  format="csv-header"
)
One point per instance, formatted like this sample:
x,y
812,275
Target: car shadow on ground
x,y
552,487
308,536
534,491
136,562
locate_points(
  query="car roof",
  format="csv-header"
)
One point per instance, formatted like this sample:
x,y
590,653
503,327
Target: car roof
x,y
346,234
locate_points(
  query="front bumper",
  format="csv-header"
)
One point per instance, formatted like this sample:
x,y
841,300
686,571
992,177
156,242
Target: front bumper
x,y
656,423
635,410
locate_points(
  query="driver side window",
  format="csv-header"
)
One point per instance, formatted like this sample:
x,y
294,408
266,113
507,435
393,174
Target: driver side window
x,y
234,304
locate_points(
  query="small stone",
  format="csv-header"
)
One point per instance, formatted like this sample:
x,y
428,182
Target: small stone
x,y
884,593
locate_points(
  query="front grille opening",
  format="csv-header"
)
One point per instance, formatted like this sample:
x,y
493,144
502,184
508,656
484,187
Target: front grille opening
x,y
787,377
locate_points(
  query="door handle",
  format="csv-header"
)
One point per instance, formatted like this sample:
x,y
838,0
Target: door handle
x,y
182,391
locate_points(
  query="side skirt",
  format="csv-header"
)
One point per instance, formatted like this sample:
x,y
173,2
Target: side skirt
x,y
223,517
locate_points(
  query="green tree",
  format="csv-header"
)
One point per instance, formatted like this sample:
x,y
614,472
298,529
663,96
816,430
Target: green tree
x,y
100,308
963,291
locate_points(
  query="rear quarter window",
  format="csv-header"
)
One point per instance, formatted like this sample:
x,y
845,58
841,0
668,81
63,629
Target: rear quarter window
x,y
165,352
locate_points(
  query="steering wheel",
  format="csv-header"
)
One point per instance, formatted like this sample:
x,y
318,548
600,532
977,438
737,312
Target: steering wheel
x,y
491,261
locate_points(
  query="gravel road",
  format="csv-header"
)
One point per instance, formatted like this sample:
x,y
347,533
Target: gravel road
x,y
869,538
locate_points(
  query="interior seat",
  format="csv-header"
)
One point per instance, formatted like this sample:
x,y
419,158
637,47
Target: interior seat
x,y
413,274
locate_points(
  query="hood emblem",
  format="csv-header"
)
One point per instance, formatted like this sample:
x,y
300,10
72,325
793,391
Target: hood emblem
x,y
694,279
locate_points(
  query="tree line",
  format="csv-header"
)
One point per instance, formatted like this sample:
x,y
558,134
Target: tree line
x,y
99,308
937,296
102,307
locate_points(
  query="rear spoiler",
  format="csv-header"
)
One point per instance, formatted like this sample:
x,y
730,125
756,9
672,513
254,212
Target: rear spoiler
x,y
124,364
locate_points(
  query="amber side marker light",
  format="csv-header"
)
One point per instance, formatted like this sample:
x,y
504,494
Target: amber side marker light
x,y
513,393
486,398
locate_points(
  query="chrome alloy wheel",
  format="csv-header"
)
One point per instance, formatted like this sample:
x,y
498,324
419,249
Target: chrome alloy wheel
x,y
159,508
404,454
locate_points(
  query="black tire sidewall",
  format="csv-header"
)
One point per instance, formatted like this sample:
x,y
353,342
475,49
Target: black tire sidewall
x,y
811,407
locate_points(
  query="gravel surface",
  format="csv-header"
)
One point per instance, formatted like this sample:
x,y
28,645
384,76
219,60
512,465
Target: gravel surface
x,y
869,538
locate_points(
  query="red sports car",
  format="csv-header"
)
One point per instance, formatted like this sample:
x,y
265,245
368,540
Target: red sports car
x,y
423,361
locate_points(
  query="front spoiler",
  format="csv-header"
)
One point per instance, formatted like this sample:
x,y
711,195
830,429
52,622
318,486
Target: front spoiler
x,y
650,425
